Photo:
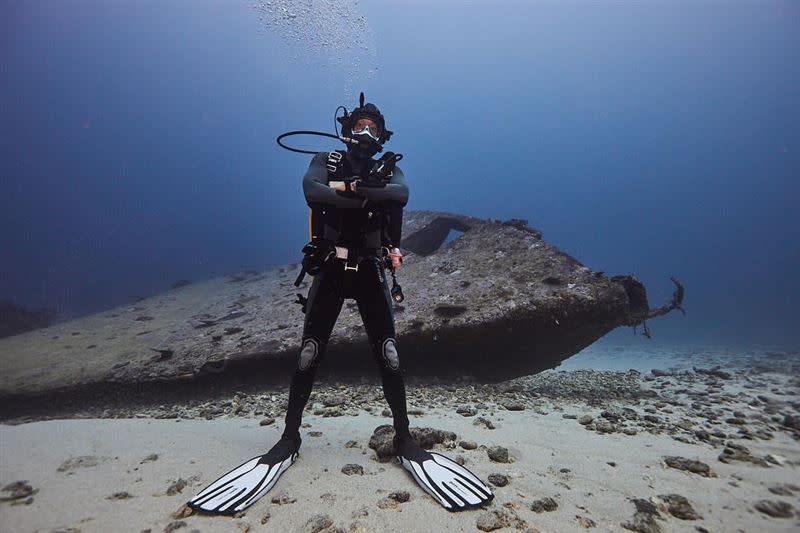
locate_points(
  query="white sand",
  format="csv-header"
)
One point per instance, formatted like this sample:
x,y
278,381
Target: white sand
x,y
541,444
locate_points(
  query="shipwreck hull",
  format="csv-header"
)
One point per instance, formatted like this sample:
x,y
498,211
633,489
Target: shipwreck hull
x,y
496,303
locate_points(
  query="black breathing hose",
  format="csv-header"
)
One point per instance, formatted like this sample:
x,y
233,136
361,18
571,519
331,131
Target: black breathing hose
x,y
346,140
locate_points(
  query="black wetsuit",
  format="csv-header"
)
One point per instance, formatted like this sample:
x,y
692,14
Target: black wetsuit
x,y
357,222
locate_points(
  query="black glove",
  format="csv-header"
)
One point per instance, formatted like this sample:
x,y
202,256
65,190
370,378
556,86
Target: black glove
x,y
370,184
381,171
316,254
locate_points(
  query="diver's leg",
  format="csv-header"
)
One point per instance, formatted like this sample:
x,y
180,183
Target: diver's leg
x,y
242,486
322,309
375,305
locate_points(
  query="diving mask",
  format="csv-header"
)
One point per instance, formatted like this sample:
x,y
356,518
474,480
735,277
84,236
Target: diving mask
x,y
368,127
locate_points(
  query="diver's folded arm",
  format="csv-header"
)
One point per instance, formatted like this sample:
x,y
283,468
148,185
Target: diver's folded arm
x,y
317,191
395,191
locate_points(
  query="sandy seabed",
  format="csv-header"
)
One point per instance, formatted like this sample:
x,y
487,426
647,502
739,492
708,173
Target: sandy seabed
x,y
595,459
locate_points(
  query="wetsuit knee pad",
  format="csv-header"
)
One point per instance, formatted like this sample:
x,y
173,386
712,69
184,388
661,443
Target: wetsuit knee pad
x,y
389,356
308,353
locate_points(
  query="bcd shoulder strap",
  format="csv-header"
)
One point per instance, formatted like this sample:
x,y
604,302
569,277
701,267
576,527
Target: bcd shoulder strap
x,y
335,165
316,215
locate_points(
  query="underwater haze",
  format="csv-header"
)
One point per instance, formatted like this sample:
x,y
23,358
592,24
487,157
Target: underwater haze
x,y
657,138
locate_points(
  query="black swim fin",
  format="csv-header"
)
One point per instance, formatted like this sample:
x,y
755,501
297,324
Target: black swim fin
x,y
245,484
450,484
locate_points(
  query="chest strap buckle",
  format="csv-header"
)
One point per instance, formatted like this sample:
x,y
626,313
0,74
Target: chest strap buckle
x,y
348,267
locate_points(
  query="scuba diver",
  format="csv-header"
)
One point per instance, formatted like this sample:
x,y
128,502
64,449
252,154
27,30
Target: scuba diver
x,y
356,207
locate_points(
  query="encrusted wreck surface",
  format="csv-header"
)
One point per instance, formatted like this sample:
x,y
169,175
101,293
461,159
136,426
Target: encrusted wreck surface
x,y
497,302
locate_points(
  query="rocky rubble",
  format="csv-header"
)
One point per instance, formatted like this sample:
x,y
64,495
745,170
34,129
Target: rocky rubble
x,y
723,416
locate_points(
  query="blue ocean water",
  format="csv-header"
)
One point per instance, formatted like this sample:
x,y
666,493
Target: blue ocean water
x,y
655,138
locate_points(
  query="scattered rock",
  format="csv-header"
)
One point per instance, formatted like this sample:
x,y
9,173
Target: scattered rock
x,y
716,372
317,523
176,487
123,495
468,444
283,499
730,454
149,459
775,508
382,440
604,426
585,420
334,400
544,504
480,421
362,512
498,480
498,454
358,527
690,465
172,526
466,410
679,507
17,490
611,416
84,461
775,459
514,406
401,496
643,523
387,503
644,519
783,489
184,511
353,469
267,421
491,520
791,421
585,522
428,437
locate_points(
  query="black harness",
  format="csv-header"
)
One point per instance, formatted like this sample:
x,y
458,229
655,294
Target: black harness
x,y
367,220
352,225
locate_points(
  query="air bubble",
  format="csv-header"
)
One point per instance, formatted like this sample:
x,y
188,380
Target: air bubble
x,y
327,28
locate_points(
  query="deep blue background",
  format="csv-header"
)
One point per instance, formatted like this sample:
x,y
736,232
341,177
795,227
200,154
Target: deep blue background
x,y
661,138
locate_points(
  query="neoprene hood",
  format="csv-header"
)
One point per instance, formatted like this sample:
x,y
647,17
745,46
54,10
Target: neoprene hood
x,y
368,110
